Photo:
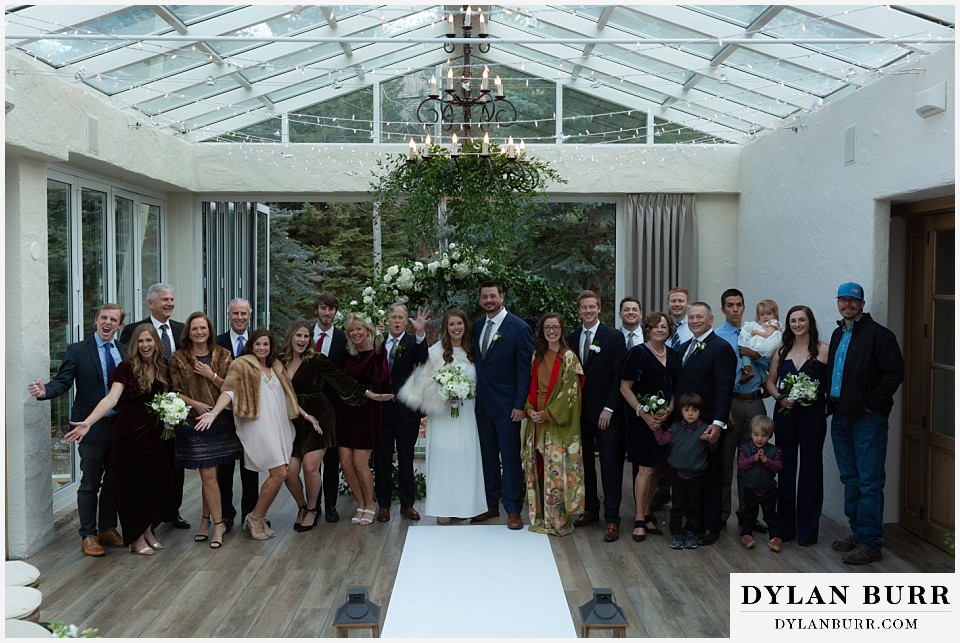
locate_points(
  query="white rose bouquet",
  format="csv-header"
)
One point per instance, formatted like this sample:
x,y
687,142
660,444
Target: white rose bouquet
x,y
454,387
652,404
171,410
800,388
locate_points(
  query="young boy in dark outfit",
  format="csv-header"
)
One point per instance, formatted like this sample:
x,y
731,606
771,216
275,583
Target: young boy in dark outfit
x,y
759,463
688,457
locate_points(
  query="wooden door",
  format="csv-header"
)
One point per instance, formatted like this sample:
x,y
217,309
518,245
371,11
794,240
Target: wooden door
x,y
929,439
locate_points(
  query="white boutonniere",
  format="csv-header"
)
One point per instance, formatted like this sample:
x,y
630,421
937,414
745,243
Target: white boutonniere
x,y
595,346
496,338
701,346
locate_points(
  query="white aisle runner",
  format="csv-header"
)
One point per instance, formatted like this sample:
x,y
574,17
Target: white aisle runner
x,y
478,582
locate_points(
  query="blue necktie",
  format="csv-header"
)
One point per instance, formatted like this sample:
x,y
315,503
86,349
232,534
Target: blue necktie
x,y
165,341
239,345
108,357
676,336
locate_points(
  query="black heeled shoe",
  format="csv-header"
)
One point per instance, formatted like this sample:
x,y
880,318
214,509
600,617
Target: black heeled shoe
x,y
639,524
214,543
301,527
301,514
655,530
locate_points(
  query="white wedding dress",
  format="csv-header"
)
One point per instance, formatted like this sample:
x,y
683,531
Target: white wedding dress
x,y
454,472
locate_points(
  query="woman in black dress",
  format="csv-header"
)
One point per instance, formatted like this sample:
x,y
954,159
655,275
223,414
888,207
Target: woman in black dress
x,y
309,371
650,368
139,460
196,372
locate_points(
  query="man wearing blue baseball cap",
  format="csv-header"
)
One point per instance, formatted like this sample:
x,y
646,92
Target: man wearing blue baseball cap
x,y
866,369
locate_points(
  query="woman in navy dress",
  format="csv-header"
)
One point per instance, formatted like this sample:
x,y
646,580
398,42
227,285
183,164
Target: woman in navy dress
x,y
141,468
650,368
800,429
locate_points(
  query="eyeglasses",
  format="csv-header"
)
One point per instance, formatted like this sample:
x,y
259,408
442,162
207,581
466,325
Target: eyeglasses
x,y
548,329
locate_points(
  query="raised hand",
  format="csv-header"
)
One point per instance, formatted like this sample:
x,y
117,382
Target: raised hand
x,y
420,321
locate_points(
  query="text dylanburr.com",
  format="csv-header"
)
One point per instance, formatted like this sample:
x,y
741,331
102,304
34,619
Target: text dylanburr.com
x,y
860,607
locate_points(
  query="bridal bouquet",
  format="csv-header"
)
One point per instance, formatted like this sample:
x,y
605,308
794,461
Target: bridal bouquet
x,y
652,404
454,386
799,388
171,410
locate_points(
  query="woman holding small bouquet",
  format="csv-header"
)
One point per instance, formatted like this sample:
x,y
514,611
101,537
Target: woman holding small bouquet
x,y
550,435
359,427
800,425
648,378
263,404
454,472
197,372
139,460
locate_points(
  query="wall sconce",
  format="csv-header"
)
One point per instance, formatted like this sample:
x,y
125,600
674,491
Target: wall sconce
x,y
602,613
357,613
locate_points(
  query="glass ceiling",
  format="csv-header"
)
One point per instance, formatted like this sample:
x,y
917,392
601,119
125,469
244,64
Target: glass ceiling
x,y
726,73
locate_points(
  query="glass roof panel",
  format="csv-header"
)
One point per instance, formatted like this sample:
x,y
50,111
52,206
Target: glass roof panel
x,y
152,68
663,70
746,97
649,27
285,25
782,71
190,14
740,14
189,95
794,24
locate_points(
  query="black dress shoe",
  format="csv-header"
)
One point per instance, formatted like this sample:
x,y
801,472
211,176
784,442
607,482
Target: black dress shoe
x,y
331,515
178,522
227,525
708,537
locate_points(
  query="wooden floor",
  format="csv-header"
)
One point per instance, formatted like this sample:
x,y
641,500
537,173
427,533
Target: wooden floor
x,y
290,586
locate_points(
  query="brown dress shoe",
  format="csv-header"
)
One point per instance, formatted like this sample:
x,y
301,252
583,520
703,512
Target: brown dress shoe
x,y
110,537
585,519
383,515
409,512
491,512
91,546
514,521
612,533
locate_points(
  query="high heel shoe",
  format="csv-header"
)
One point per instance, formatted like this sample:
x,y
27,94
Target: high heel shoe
x,y
202,535
301,527
650,519
301,514
639,524
249,527
216,544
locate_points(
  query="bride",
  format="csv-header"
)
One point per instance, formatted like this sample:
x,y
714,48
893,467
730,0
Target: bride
x,y
454,474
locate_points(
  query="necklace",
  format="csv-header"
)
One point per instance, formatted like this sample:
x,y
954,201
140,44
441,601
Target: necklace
x,y
654,351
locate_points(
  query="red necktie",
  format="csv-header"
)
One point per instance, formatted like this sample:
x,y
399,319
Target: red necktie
x,y
323,336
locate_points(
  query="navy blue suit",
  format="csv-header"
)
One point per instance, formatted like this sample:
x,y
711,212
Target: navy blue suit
x,y
81,366
249,480
503,383
601,389
400,427
710,372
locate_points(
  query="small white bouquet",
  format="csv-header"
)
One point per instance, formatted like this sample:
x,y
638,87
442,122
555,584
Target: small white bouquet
x,y
799,388
652,404
454,386
171,410
60,630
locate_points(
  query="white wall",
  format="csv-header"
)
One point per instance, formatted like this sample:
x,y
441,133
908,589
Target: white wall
x,y
809,222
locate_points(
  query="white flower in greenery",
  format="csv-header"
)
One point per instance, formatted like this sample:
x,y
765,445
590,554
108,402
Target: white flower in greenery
x,y
445,262
462,269
432,267
368,290
417,266
387,278
367,299
354,302
393,270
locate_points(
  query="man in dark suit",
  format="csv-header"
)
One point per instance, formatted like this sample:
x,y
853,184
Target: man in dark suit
x,y
601,349
332,342
502,346
160,302
238,312
708,368
88,363
401,424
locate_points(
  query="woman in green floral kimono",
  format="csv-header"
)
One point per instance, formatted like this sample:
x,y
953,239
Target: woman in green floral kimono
x,y
552,459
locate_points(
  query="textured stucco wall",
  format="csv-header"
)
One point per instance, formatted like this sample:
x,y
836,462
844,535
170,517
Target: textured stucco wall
x,y
27,422
808,221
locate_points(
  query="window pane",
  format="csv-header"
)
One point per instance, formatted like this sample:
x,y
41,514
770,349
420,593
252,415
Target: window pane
x,y
58,273
944,329
93,225
345,119
945,265
588,119
126,286
944,402
149,247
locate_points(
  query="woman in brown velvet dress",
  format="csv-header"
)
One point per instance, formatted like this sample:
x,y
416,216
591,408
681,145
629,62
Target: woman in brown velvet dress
x,y
308,370
141,468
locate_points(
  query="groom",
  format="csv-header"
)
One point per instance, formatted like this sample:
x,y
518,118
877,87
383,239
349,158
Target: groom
x,y
502,347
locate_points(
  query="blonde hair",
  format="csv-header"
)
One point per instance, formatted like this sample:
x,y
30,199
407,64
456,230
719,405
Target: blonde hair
x,y
768,306
141,367
356,320
763,423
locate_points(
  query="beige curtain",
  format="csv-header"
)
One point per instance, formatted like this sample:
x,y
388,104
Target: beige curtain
x,y
661,247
